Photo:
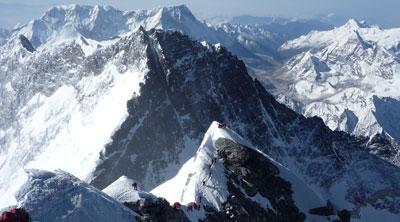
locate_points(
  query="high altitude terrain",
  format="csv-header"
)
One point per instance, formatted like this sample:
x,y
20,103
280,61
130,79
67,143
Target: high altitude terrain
x,y
135,101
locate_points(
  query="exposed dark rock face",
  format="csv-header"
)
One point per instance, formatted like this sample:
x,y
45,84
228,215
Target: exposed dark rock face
x,y
344,216
248,169
26,43
384,146
159,211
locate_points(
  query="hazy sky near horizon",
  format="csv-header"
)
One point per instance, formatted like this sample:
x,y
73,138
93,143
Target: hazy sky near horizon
x,y
384,13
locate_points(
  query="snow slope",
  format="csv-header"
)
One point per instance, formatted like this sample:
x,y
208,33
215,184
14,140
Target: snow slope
x,y
345,76
59,196
122,191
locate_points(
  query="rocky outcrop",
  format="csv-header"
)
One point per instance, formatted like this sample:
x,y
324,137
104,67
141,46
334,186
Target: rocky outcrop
x,y
344,216
26,43
156,211
250,172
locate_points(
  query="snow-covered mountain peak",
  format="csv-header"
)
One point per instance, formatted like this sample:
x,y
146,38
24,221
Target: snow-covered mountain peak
x,y
94,26
181,13
354,24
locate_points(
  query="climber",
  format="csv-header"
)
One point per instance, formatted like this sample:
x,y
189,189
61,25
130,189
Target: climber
x,y
176,206
209,166
15,214
23,216
195,206
189,208
204,182
134,185
200,199
215,159
222,125
8,216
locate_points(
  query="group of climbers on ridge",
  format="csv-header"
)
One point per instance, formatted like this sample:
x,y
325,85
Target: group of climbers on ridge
x,y
20,215
223,125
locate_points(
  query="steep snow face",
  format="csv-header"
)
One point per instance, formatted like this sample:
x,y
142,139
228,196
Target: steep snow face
x,y
201,177
122,191
61,108
343,76
59,196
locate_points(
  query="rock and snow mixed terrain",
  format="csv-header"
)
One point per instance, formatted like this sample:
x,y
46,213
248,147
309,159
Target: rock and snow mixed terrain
x,y
134,102
242,184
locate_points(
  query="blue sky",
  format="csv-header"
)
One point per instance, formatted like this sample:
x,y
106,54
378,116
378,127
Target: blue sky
x,y
385,13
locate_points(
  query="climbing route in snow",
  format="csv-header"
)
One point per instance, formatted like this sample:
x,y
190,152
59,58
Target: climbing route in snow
x,y
52,194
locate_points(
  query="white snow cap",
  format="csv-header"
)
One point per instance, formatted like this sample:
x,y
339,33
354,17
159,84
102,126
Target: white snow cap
x,y
59,196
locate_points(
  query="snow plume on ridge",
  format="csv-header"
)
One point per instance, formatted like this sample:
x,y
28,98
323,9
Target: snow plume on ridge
x,y
59,196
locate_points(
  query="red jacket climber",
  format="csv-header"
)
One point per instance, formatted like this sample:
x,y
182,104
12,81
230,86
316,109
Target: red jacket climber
x,y
9,217
189,208
15,215
134,185
222,125
209,166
